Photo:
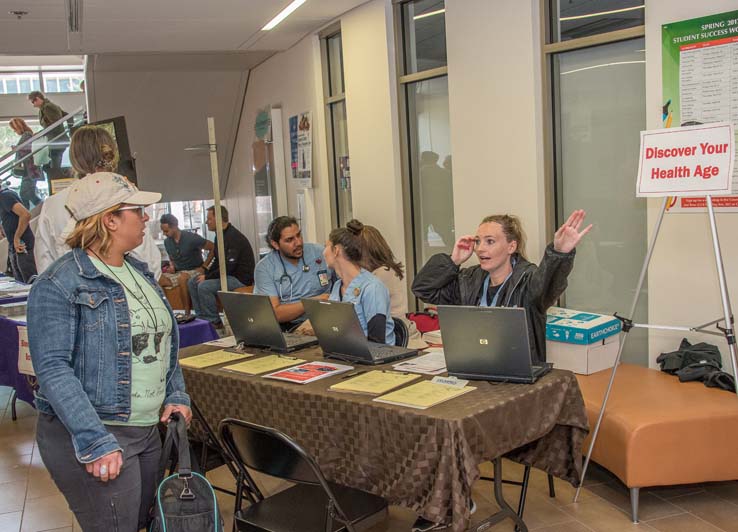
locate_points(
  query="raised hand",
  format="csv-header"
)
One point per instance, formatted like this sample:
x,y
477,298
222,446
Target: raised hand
x,y
568,235
463,249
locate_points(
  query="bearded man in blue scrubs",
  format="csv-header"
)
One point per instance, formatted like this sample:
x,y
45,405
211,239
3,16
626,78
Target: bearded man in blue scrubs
x,y
292,271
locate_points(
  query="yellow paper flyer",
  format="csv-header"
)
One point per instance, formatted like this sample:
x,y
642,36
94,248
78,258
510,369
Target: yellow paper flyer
x,y
264,364
423,395
212,358
375,382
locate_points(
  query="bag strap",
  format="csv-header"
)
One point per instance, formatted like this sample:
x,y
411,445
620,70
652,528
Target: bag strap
x,y
184,464
176,438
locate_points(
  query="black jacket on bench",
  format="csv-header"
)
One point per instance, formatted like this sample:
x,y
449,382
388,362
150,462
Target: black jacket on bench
x,y
535,288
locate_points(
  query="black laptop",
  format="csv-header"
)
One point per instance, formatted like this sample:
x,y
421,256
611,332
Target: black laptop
x,y
340,335
488,343
255,324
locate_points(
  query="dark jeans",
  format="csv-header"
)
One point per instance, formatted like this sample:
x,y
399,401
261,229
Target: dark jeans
x,y
120,505
203,296
28,194
54,168
22,265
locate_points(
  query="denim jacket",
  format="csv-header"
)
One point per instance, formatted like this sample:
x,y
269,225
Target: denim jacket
x,y
80,343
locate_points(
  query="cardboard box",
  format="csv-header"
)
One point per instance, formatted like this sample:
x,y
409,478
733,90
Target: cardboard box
x,y
583,358
582,342
577,327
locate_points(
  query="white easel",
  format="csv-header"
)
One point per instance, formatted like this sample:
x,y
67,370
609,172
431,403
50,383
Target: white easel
x,y
726,331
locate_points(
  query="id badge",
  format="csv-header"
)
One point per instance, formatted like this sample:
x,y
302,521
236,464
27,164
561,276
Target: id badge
x,y
323,278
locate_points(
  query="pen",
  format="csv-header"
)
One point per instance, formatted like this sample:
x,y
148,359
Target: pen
x,y
353,374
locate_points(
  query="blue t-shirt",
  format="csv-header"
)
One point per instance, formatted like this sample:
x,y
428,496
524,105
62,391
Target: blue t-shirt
x,y
370,297
275,277
9,219
187,254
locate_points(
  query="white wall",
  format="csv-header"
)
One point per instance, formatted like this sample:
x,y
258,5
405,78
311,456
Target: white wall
x,y
494,52
682,281
166,111
373,130
288,81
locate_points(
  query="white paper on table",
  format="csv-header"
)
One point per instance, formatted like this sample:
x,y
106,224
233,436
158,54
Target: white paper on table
x,y
431,363
226,341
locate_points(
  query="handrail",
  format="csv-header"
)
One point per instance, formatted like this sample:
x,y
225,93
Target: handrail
x,y
42,133
10,164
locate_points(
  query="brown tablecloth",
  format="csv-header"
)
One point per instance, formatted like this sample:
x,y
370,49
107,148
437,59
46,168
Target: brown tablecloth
x,y
426,460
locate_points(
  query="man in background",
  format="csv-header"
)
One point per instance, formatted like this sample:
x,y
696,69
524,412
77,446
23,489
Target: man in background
x,y
48,113
185,258
239,265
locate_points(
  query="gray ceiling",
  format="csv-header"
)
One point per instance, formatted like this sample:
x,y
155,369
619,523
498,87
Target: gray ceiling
x,y
131,26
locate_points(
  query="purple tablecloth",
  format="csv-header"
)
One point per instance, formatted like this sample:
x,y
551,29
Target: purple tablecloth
x,y
192,333
16,299
9,375
196,332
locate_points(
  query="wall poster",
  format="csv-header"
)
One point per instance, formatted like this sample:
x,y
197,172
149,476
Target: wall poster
x,y
293,146
303,165
700,85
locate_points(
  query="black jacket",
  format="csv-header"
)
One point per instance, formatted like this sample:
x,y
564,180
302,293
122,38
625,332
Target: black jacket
x,y
535,288
239,257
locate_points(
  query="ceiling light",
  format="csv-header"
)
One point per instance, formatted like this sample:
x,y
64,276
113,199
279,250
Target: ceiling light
x,y
429,14
286,12
601,13
17,13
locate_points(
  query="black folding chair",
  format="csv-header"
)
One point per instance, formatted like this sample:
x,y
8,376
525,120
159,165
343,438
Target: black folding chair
x,y
312,505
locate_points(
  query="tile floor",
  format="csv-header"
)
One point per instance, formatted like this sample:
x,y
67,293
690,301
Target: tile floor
x,y
30,502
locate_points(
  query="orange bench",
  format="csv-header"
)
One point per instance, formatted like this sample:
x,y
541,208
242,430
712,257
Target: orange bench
x,y
658,431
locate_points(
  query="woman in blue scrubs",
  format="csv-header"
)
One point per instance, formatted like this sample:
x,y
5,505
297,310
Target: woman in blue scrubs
x,y
343,253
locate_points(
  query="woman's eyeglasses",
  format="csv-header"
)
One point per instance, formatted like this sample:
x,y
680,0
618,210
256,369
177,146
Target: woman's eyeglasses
x,y
138,209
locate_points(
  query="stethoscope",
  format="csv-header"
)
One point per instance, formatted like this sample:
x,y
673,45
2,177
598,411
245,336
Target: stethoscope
x,y
285,275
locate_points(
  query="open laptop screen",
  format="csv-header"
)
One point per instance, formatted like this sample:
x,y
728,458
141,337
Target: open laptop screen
x,y
485,341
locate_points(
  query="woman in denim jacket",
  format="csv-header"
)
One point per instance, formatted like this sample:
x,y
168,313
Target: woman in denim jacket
x,y
104,345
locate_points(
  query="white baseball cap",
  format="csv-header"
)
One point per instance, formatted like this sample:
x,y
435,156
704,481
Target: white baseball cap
x,y
97,192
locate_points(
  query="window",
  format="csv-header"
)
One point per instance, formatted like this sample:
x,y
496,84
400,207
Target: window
x,y
426,141
599,108
63,81
424,32
191,216
336,127
22,80
573,19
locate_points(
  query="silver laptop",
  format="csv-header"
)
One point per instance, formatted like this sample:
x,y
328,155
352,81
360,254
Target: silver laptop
x,y
488,343
255,324
340,335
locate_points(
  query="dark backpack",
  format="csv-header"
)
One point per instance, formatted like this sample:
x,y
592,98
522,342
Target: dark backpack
x,y
185,500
